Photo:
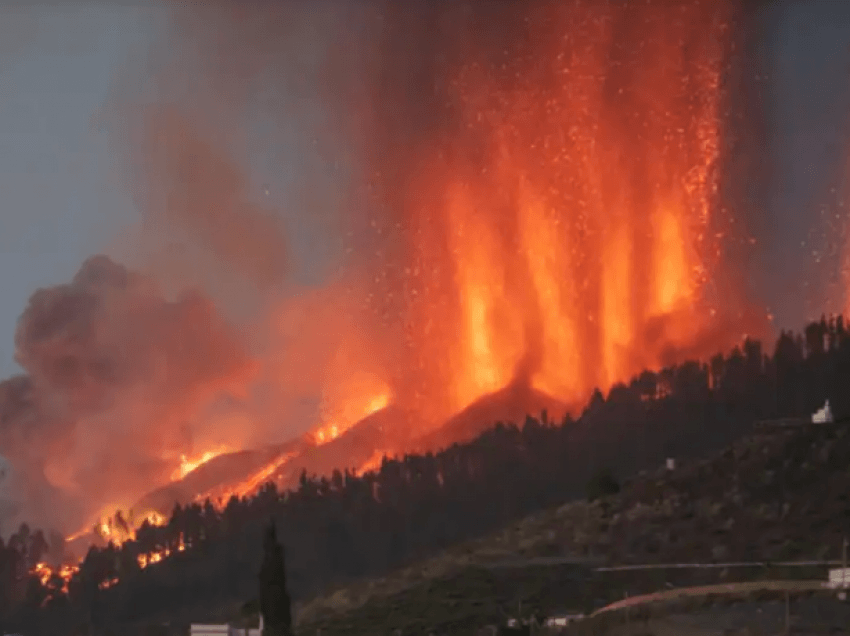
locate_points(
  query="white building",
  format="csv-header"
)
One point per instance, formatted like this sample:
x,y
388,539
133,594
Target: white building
x,y
199,629
823,415
839,579
562,620
209,630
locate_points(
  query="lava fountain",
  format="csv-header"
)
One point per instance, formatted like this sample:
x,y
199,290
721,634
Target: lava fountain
x,y
556,215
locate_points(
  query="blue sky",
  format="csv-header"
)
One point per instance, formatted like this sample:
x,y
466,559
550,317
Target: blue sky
x,y
62,199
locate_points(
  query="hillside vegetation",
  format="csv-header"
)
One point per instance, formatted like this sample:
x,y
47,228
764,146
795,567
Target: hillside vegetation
x,y
344,527
773,497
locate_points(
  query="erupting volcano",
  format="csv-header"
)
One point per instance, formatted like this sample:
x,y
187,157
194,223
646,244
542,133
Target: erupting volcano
x,y
553,222
541,219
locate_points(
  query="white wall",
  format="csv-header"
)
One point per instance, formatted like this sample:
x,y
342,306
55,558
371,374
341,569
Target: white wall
x,y
209,630
223,630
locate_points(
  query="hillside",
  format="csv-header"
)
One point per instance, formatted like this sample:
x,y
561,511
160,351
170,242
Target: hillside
x,y
511,404
776,496
344,526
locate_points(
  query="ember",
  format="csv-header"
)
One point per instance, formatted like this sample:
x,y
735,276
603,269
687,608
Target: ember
x,y
46,573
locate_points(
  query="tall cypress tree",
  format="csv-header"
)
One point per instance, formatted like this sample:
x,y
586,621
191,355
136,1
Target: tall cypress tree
x,y
275,605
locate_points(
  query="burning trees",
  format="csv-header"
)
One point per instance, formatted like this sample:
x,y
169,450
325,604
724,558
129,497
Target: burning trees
x,y
274,599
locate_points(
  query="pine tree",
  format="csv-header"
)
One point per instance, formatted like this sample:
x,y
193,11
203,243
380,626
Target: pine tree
x,y
275,604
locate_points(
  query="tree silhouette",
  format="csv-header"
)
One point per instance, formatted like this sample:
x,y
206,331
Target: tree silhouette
x,y
274,598
603,484
349,524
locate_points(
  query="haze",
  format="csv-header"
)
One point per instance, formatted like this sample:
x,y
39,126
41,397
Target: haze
x,y
211,151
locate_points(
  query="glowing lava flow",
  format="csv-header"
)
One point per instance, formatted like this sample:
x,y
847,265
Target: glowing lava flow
x,y
120,528
250,484
188,465
114,525
373,463
150,558
349,413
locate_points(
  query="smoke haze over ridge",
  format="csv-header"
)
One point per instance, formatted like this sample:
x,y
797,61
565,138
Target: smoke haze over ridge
x,y
298,285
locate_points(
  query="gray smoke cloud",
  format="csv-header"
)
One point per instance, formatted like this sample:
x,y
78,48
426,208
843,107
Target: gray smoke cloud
x,y
114,375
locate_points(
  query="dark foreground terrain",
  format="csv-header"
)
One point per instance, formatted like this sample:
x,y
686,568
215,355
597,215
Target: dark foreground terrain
x,y
808,617
773,497
814,615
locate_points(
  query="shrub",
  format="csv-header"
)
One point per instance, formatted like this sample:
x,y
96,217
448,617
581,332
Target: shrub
x,y
603,484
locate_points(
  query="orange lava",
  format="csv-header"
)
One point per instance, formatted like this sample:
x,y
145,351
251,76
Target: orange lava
x,y
250,484
366,400
118,530
373,463
105,585
188,465
561,228
148,559
66,572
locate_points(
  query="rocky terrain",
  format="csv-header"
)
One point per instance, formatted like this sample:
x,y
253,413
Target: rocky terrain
x,y
776,496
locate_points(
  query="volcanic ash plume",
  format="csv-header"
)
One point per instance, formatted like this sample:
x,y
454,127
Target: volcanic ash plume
x,y
115,376
193,190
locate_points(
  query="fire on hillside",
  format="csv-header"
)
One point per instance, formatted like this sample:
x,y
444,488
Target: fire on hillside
x,y
549,227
